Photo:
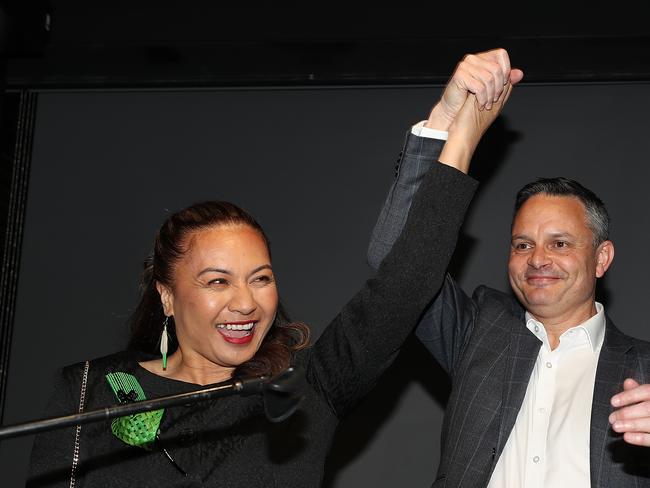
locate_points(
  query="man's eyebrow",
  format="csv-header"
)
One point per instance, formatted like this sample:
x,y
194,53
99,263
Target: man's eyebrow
x,y
554,235
560,234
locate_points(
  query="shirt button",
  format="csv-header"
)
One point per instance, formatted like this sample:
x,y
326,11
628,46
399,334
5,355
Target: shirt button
x,y
542,410
537,328
536,459
549,365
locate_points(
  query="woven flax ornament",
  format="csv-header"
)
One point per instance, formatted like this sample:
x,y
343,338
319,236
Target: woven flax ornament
x,y
138,430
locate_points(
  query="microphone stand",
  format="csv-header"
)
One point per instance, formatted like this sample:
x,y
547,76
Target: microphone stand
x,y
282,395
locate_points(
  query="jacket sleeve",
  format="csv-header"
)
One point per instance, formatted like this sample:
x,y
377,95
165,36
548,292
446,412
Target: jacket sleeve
x,y
362,340
416,158
446,325
448,320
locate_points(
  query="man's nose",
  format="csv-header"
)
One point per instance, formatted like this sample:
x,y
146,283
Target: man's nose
x,y
242,301
539,258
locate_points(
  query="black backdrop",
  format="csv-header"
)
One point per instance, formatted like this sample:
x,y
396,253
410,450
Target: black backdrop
x,y
313,165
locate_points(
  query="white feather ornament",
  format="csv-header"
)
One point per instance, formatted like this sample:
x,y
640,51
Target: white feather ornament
x,y
164,344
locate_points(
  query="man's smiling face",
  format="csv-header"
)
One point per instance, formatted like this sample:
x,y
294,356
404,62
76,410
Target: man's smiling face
x,y
553,262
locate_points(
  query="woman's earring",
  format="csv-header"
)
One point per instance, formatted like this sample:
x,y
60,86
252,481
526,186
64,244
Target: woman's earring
x,y
164,343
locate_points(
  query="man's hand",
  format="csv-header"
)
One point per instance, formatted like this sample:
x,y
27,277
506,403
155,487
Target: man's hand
x,y
632,417
468,127
485,75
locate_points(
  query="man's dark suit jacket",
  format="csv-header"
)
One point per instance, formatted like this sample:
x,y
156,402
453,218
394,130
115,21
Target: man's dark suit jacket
x,y
483,344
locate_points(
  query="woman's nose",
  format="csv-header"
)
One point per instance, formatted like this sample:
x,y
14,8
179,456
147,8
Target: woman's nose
x,y
242,301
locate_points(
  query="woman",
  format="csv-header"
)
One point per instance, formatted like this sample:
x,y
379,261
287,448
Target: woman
x,y
210,287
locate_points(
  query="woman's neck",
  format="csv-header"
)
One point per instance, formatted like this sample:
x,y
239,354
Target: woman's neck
x,y
190,369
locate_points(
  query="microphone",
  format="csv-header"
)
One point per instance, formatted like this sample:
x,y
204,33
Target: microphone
x,y
282,395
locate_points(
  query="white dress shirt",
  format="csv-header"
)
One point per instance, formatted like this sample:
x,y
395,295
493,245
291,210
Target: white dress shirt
x,y
549,444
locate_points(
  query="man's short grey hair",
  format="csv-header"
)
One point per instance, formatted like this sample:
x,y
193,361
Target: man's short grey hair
x,y
597,216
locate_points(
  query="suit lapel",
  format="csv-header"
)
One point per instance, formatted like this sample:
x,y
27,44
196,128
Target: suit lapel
x,y
613,368
522,354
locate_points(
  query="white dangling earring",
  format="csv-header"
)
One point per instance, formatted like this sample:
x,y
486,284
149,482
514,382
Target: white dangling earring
x,y
164,344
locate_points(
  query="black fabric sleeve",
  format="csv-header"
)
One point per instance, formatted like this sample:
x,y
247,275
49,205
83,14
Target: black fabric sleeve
x,y
362,340
51,460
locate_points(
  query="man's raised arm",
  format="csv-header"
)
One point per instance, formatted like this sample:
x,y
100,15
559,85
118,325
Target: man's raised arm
x,y
486,76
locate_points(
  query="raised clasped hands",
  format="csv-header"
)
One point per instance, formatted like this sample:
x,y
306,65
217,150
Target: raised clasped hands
x,y
484,75
472,100
632,414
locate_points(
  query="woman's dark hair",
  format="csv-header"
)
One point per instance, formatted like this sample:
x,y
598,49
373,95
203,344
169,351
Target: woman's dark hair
x,y
170,244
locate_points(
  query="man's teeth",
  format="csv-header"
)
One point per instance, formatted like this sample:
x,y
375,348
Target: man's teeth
x,y
247,326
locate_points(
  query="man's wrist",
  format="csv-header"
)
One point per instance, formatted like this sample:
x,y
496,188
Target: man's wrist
x,y
438,120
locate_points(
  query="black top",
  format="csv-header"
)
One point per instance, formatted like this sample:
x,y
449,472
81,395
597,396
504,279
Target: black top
x,y
229,442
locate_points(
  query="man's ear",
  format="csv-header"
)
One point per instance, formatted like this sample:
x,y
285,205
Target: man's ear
x,y
604,257
166,298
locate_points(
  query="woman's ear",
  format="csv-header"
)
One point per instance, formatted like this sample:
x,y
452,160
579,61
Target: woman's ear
x,y
166,298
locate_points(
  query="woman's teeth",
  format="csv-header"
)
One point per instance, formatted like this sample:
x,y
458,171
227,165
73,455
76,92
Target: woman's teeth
x,y
247,326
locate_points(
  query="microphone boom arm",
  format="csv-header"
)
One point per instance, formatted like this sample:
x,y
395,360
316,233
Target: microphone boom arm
x,y
233,387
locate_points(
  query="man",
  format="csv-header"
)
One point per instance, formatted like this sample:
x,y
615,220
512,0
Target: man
x,y
545,390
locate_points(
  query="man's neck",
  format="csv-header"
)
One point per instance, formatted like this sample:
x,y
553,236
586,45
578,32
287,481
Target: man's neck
x,y
557,325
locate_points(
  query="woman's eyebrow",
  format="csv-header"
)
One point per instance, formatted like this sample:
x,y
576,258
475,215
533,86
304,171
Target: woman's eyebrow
x,y
215,270
225,271
260,268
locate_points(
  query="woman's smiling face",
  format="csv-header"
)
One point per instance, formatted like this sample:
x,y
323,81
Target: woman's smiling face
x,y
224,297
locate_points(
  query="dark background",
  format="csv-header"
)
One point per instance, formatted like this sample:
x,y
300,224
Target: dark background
x,y
114,116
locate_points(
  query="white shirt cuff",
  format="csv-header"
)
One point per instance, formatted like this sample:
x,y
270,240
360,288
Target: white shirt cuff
x,y
421,131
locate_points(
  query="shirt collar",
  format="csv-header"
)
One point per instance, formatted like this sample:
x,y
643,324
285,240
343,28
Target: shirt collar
x,y
594,327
